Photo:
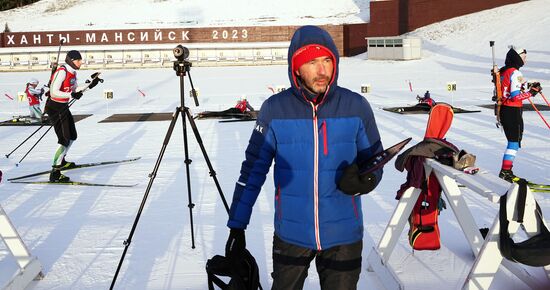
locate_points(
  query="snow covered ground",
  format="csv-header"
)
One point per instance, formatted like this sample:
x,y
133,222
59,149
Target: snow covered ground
x,y
78,232
135,14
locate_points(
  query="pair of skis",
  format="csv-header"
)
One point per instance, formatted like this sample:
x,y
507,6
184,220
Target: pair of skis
x,y
537,187
71,182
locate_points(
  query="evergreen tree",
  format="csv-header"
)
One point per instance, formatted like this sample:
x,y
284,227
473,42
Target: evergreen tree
x,y
10,4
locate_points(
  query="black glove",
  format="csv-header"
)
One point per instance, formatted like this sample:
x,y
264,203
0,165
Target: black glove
x,y
235,246
353,183
535,88
76,95
94,82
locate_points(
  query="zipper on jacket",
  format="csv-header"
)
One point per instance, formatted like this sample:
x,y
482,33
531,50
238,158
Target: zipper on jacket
x,y
316,176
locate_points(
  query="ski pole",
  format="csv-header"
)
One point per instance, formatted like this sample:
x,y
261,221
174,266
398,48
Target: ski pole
x,y
53,69
8,155
17,164
535,107
544,98
58,120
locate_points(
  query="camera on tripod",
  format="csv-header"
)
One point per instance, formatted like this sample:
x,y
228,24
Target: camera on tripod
x,y
181,52
182,68
181,65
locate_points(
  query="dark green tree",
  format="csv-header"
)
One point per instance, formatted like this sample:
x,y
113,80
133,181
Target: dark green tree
x,y
10,4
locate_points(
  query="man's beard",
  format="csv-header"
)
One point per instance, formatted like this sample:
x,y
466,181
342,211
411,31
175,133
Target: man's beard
x,y
320,89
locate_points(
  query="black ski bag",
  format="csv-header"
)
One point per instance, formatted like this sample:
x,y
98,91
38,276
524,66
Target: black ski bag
x,y
534,251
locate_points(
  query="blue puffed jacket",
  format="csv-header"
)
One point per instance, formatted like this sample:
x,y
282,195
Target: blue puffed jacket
x,y
311,144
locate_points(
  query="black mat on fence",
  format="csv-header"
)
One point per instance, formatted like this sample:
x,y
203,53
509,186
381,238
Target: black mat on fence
x,y
27,121
138,117
423,109
526,107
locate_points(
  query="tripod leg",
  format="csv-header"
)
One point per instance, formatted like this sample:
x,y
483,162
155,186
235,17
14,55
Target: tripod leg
x,y
151,179
188,161
212,172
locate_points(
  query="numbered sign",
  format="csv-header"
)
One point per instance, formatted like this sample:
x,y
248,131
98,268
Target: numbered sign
x,y
451,86
21,96
108,94
365,89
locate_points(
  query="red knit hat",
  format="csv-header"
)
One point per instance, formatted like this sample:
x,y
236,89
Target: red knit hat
x,y
307,53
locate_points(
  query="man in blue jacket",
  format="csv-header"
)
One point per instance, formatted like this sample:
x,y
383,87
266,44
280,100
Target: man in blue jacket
x,y
318,134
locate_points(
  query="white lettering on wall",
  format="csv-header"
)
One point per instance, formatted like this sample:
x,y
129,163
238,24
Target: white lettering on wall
x,y
172,35
144,36
90,37
65,39
158,35
185,35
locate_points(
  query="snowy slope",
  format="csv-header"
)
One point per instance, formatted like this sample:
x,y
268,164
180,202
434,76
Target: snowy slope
x,y
135,14
77,232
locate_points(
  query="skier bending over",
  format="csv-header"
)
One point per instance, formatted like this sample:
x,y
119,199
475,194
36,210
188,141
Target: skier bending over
x,y
243,104
34,95
427,99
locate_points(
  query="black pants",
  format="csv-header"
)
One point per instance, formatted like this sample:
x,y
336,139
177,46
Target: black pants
x,y
338,267
62,120
511,119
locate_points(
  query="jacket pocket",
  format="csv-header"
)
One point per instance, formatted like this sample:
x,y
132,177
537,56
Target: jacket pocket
x,y
278,208
354,207
323,133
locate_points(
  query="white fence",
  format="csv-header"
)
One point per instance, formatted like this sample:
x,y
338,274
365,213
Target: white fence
x,y
488,259
146,57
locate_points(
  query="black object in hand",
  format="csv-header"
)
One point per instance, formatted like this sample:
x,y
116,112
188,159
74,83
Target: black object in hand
x,y
353,183
94,82
76,95
535,88
235,246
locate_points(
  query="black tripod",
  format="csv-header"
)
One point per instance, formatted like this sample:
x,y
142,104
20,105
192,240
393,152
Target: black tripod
x,y
182,67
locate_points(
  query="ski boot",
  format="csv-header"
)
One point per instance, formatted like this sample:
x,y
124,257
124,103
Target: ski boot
x,y
67,164
56,176
508,175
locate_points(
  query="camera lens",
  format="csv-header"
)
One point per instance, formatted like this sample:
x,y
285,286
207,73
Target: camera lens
x,y
181,52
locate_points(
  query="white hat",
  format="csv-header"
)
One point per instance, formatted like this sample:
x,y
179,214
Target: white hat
x,y
33,81
519,50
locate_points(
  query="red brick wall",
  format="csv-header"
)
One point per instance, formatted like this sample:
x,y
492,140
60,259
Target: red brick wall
x,y
424,12
387,18
396,17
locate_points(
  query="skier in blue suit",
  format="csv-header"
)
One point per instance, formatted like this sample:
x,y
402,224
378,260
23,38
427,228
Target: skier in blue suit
x,y
318,134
